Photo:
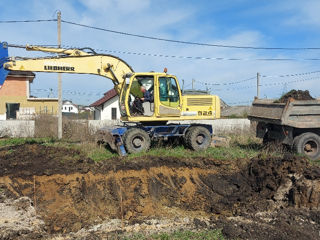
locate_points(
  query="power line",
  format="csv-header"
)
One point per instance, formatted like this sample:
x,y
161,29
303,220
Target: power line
x,y
227,83
293,81
30,21
199,58
270,84
187,42
291,75
206,58
253,78
163,39
176,56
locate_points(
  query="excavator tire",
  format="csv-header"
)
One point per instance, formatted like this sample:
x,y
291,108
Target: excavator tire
x,y
136,140
186,137
198,138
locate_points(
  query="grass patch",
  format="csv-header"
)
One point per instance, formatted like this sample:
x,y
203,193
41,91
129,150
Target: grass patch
x,y
20,141
234,152
89,149
240,147
316,163
180,235
97,153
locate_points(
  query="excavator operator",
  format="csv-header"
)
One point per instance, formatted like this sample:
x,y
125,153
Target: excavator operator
x,y
147,97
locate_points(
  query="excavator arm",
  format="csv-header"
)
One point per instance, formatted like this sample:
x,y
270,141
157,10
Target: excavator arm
x,y
74,61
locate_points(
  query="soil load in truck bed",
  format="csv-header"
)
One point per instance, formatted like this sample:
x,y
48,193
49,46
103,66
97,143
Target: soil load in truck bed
x,y
295,94
52,191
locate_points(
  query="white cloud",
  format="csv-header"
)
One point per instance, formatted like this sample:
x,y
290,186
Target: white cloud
x,y
116,6
148,18
301,12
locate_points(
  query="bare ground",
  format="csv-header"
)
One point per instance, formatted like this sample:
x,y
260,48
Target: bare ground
x,y
49,192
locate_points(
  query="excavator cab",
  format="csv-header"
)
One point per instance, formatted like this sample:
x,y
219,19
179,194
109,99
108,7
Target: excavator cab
x,y
150,97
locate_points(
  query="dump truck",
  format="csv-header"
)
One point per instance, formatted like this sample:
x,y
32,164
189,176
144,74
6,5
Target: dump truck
x,y
295,123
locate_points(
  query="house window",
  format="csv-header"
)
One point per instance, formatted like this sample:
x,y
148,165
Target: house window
x,y
12,109
114,113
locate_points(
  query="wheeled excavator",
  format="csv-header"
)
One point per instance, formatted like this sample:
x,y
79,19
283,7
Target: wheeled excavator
x,y
140,126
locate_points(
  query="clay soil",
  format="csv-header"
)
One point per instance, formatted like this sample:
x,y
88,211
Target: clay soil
x,y
48,192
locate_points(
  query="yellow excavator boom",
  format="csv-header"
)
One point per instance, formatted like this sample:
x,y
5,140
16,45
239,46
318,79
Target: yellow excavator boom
x,y
74,61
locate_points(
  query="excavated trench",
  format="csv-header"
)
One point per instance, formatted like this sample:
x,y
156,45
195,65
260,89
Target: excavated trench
x,y
70,192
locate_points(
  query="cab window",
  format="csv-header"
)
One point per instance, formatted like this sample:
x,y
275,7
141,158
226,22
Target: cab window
x,y
141,96
168,92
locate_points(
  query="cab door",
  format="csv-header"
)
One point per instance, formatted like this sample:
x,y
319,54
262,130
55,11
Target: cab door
x,y
169,96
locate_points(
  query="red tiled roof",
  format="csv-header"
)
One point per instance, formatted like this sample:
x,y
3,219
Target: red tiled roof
x,y
107,96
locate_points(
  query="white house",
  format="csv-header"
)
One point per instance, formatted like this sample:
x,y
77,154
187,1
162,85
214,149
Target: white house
x,y
69,107
107,107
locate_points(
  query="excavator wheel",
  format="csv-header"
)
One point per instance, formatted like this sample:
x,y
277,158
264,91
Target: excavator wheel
x,y
136,140
198,138
186,137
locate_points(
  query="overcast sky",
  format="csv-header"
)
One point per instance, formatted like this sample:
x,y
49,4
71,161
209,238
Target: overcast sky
x,y
265,23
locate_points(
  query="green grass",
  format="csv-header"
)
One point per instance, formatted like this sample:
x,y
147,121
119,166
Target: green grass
x,y
240,147
98,153
20,141
180,235
316,163
234,152
244,147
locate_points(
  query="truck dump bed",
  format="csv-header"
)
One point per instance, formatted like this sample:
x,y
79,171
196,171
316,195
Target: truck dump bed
x,y
294,113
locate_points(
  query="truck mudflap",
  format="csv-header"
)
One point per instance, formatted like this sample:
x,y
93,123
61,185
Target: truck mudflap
x,y
112,137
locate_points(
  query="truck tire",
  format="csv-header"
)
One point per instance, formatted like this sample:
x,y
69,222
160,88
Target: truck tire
x,y
309,144
136,140
198,138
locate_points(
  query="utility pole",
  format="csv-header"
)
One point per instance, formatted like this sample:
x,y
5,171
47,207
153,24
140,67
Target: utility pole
x,y
59,81
193,83
258,85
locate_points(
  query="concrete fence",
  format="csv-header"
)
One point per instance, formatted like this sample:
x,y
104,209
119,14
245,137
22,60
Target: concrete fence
x,y
17,128
224,126
26,128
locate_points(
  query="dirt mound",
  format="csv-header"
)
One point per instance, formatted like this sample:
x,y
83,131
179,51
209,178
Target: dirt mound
x,y
33,159
295,94
289,180
71,192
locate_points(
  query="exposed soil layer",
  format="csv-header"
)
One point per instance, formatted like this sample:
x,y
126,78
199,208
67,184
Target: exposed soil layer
x,y
297,95
261,198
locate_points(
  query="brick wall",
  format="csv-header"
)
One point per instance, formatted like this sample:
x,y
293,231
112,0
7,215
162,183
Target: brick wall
x,y
16,90
14,86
